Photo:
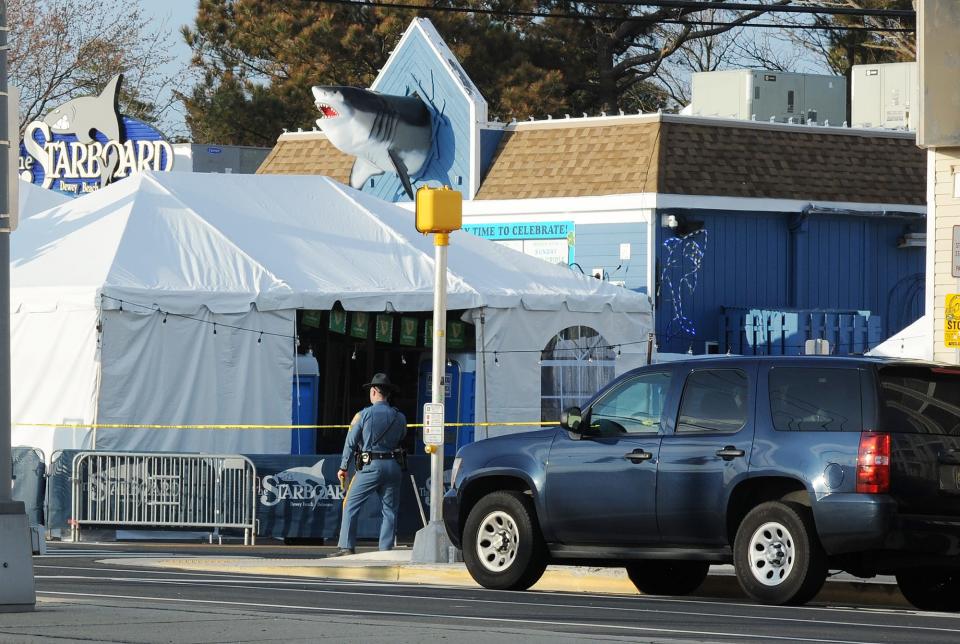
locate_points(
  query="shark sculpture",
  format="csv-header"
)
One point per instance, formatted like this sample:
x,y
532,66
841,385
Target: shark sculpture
x,y
87,114
385,133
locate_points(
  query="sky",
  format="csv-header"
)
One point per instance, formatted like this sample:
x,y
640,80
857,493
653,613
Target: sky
x,y
177,13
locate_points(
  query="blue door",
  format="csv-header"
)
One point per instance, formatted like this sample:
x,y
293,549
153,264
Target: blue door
x,y
601,486
706,455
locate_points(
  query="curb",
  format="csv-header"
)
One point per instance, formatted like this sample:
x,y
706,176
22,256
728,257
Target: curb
x,y
555,579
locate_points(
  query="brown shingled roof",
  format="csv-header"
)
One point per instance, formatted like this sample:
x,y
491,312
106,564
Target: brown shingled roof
x,y
670,155
704,157
307,153
573,162
779,162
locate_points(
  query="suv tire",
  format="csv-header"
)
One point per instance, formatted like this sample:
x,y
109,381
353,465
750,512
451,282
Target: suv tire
x,y
502,545
931,588
656,577
777,556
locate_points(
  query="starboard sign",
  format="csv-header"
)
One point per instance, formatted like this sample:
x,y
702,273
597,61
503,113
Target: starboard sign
x,y
86,144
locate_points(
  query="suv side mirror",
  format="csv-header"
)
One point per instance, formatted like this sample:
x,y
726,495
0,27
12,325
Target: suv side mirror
x,y
570,419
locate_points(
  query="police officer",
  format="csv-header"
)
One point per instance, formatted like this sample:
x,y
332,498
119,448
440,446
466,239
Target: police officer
x,y
374,437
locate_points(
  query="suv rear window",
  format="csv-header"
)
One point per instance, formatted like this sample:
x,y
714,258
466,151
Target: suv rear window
x,y
815,399
714,400
920,400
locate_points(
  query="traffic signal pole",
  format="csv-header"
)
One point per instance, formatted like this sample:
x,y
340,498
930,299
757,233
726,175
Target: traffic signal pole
x,y
17,593
438,212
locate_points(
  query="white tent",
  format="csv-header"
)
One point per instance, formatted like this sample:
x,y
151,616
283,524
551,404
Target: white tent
x,y
915,341
33,199
143,303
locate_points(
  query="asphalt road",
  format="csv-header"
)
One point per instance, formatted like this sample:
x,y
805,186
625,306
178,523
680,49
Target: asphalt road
x,y
79,599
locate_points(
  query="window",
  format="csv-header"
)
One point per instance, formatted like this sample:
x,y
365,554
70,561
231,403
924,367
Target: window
x,y
575,364
815,400
714,400
756,92
633,407
920,400
790,101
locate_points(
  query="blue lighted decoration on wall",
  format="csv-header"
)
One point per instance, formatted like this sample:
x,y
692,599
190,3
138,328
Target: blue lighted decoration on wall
x,y
681,267
86,144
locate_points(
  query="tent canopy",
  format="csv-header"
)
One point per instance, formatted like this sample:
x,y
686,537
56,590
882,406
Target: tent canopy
x,y
181,241
33,199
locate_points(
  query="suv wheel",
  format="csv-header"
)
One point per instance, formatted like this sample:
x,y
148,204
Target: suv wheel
x,y
777,556
931,589
502,545
655,577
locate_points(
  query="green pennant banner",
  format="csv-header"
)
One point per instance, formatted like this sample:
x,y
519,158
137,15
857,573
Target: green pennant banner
x,y
408,332
456,335
338,321
384,328
311,319
359,323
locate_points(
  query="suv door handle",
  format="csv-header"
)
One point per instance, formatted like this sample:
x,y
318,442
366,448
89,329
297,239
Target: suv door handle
x,y
638,455
729,453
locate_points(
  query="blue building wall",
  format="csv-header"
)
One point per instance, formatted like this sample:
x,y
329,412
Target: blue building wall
x,y
416,69
598,246
489,141
753,260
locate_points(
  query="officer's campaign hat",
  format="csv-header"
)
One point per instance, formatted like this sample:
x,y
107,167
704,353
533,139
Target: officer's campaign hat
x,y
380,380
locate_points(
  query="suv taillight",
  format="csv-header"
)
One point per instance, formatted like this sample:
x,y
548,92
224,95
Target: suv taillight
x,y
873,463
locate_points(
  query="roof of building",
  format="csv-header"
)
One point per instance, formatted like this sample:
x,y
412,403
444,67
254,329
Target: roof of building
x,y
671,154
307,153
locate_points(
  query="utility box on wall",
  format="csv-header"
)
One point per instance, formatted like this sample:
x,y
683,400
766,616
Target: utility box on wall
x,y
761,95
884,96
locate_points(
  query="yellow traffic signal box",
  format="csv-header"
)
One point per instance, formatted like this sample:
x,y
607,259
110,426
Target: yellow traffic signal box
x,y
439,210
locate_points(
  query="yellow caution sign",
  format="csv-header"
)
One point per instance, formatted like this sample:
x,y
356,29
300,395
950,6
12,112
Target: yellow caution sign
x,y
951,321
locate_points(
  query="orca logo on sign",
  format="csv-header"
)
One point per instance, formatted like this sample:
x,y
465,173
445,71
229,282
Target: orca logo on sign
x,y
86,144
300,486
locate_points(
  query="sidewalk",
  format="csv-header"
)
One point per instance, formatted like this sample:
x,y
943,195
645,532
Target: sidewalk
x,y
395,566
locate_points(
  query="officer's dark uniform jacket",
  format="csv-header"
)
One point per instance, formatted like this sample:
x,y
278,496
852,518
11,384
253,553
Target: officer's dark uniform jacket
x,y
378,430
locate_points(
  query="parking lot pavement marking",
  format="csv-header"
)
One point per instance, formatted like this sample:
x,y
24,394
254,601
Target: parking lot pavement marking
x,y
486,619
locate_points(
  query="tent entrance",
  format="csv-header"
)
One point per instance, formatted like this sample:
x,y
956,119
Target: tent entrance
x,y
350,347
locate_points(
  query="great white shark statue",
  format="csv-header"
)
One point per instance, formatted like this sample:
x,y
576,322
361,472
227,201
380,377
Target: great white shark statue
x,y
385,133
82,116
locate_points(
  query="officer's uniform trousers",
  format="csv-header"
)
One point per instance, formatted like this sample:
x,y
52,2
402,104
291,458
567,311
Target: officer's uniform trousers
x,y
379,429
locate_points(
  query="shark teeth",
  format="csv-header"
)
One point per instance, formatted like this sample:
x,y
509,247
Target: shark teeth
x,y
326,111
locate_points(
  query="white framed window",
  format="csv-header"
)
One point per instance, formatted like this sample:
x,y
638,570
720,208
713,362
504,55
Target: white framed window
x,y
576,363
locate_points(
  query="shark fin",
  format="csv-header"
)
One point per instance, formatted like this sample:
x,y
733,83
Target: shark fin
x,y
113,128
362,170
401,169
112,89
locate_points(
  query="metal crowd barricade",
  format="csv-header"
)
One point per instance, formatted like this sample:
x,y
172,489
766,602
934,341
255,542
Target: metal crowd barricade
x,y
29,481
128,489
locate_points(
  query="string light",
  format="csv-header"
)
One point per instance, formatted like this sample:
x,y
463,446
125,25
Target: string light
x,y
214,328
757,350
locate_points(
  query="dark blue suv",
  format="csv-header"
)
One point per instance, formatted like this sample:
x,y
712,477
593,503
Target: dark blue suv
x,y
785,467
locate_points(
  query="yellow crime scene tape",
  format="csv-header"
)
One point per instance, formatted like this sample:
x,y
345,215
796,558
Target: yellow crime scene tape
x,y
261,427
